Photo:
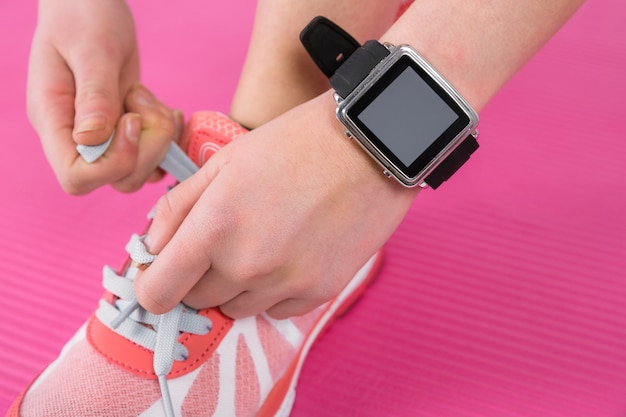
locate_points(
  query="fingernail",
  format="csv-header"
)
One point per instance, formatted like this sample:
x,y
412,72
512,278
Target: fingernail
x,y
91,122
133,128
144,97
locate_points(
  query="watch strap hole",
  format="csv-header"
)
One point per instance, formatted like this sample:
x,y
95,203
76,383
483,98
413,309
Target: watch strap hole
x,y
328,45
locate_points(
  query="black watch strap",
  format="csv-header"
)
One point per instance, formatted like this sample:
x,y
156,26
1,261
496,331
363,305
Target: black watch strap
x,y
340,57
452,163
357,66
346,63
328,44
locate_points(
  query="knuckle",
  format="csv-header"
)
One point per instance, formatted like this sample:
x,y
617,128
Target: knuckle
x,y
72,186
281,314
233,311
133,182
244,272
251,265
92,92
155,302
312,287
301,287
166,125
164,207
292,307
129,185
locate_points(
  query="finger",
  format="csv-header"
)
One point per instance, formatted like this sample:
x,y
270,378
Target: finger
x,y
179,128
50,105
247,304
78,177
118,161
157,132
50,95
212,290
279,301
98,100
291,307
179,236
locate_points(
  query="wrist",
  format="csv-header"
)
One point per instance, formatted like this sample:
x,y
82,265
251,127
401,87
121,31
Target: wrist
x,y
347,157
481,47
391,100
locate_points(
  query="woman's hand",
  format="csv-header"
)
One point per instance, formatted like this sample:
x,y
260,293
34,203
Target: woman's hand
x,y
283,237
83,65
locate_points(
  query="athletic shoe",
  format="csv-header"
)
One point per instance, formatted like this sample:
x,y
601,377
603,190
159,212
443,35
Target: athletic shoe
x,y
127,362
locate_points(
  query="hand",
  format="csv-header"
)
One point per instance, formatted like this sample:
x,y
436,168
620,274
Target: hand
x,y
279,221
83,64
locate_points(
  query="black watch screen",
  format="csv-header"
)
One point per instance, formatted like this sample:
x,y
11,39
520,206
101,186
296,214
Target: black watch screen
x,y
408,116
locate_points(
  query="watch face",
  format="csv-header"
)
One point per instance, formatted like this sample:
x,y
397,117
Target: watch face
x,y
408,116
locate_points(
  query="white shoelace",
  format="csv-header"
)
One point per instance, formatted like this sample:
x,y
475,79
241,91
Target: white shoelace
x,y
158,333
176,161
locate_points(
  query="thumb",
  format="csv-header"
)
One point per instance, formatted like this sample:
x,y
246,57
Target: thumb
x,y
98,104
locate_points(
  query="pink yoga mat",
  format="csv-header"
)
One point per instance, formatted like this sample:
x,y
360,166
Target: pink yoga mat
x,y
503,292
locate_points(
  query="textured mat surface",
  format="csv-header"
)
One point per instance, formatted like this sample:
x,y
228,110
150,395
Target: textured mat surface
x,y
503,293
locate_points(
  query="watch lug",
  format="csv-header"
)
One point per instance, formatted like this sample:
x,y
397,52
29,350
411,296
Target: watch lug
x,y
390,46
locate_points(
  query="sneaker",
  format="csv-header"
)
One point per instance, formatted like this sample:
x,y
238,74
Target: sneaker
x,y
125,361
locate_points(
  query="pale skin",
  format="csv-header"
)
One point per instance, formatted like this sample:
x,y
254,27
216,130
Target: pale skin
x,y
281,219
76,93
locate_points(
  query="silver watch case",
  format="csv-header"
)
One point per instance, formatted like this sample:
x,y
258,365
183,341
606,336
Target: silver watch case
x,y
352,131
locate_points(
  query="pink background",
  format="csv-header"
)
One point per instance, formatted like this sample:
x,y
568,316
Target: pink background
x,y
502,293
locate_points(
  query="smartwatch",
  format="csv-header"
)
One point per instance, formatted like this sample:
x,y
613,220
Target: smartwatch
x,y
395,104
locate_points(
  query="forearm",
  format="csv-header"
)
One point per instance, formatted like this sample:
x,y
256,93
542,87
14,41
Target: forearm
x,y
278,73
479,45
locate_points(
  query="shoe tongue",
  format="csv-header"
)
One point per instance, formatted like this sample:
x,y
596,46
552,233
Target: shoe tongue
x,y
206,133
